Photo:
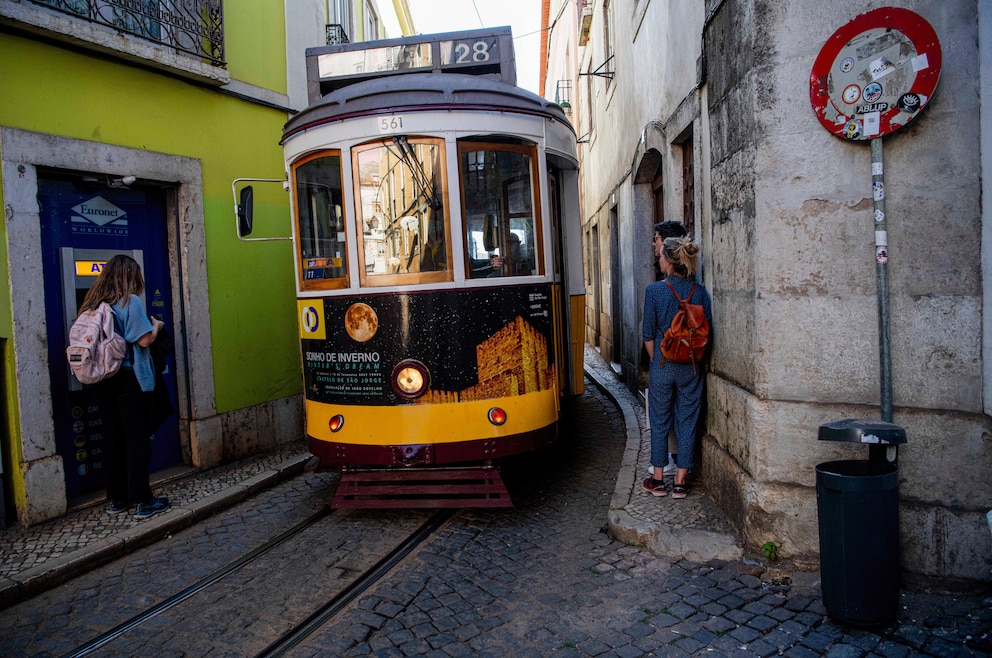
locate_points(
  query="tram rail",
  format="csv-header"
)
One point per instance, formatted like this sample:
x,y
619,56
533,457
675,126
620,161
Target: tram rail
x,y
311,623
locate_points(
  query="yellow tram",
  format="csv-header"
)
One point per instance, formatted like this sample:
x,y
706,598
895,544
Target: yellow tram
x,y
438,255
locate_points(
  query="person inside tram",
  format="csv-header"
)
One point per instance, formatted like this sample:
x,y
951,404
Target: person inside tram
x,y
485,267
516,263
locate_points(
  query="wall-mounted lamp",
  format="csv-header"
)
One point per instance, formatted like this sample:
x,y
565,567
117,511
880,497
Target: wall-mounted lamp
x,y
126,181
563,96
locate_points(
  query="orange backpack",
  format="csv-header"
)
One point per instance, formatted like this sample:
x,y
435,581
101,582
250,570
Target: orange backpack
x,y
686,340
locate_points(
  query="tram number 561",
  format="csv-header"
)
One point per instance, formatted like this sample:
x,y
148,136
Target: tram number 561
x,y
390,124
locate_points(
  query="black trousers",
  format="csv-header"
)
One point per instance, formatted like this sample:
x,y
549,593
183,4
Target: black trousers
x,y
126,411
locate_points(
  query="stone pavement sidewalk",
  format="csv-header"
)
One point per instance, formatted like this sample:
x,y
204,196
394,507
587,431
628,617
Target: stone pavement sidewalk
x,y
721,600
693,528
43,556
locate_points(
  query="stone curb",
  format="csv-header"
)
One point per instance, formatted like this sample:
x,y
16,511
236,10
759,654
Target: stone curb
x,y
690,543
34,581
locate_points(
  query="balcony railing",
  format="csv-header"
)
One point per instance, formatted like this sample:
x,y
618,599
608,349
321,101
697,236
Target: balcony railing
x,y
336,35
563,96
194,27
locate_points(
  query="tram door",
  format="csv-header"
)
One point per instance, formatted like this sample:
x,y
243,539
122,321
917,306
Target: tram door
x,y
84,224
563,330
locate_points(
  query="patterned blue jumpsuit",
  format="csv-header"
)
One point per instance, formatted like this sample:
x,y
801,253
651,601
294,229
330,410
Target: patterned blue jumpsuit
x,y
675,389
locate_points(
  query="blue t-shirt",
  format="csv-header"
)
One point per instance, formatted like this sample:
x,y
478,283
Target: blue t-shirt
x,y
134,324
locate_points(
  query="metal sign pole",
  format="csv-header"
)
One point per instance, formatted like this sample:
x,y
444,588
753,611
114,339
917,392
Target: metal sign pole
x,y
882,278
872,77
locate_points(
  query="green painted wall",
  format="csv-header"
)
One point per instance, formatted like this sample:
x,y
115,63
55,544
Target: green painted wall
x,y
69,93
255,43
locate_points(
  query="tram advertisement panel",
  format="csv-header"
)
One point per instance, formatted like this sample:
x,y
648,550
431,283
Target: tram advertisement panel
x,y
475,344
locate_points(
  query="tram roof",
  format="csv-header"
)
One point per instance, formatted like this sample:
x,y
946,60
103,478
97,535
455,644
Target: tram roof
x,y
422,92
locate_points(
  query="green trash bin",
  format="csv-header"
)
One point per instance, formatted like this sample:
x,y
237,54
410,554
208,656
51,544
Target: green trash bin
x,y
858,513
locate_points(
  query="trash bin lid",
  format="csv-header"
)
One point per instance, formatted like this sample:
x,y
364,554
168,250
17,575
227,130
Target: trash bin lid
x,y
855,430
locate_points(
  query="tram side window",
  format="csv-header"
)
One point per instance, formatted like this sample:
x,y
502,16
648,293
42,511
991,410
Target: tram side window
x,y
501,226
404,223
321,222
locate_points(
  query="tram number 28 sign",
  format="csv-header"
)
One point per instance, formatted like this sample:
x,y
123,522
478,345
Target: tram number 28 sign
x,y
875,74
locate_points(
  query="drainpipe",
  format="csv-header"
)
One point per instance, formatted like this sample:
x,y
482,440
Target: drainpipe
x,y
405,18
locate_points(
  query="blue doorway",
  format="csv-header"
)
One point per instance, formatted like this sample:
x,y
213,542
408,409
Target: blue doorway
x,y
84,222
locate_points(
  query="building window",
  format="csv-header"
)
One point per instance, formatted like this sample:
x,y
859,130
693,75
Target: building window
x,y
608,41
688,183
590,108
658,193
371,23
339,13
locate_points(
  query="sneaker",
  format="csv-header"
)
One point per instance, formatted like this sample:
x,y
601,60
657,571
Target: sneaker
x,y
655,487
670,469
151,508
116,507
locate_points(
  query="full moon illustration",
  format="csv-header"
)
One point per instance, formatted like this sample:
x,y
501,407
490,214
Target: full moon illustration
x,y
361,322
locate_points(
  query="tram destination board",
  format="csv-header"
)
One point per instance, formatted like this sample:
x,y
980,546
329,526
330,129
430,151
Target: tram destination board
x,y
470,52
487,52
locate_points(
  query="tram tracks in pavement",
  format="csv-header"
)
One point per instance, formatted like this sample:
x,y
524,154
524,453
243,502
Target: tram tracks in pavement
x,y
332,607
299,631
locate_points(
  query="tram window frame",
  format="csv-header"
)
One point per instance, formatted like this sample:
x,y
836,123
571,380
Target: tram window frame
x,y
334,282
367,279
536,245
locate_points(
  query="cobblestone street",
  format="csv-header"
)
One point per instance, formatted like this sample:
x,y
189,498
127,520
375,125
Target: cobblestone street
x,y
542,579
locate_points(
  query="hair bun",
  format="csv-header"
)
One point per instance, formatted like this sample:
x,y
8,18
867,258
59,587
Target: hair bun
x,y
690,248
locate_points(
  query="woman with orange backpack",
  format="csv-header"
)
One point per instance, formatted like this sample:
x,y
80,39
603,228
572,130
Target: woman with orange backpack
x,y
677,317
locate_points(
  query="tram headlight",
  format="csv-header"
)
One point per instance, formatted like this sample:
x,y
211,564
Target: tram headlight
x,y
497,416
410,379
335,423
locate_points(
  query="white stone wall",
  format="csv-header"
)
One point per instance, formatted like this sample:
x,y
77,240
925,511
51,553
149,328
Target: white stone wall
x,y
815,307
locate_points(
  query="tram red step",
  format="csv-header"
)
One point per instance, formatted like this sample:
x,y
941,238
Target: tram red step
x,y
421,488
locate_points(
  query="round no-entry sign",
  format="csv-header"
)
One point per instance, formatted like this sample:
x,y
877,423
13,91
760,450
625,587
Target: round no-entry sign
x,y
875,74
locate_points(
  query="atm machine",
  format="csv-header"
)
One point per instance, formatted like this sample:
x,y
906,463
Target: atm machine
x,y
82,228
83,460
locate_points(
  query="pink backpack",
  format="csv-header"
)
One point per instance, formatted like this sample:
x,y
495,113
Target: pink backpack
x,y
95,350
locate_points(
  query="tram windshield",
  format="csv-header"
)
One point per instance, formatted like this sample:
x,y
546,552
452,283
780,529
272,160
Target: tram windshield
x,y
402,215
321,221
501,225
